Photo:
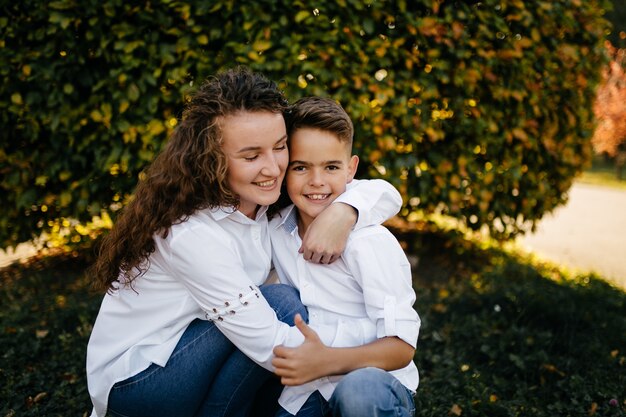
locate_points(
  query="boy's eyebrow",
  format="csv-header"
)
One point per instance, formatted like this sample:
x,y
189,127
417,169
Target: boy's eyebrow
x,y
256,148
332,162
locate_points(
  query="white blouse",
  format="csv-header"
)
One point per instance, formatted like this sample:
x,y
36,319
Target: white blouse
x,y
208,267
365,295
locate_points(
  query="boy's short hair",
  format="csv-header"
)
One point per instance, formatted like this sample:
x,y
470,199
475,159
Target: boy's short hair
x,y
320,113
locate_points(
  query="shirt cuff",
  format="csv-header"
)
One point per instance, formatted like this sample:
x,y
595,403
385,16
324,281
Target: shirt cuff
x,y
402,323
407,330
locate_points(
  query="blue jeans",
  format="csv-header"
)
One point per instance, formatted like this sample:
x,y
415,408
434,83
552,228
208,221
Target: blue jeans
x,y
367,392
206,375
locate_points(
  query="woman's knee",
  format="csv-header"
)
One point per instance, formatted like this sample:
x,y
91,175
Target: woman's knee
x,y
285,300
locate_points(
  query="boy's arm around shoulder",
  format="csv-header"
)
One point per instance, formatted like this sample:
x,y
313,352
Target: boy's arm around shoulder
x,y
376,201
364,203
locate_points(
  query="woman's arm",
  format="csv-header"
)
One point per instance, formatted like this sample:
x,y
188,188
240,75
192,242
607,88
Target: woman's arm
x,y
313,359
364,203
208,263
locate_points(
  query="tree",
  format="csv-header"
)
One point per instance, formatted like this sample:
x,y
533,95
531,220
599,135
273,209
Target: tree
x,y
610,109
480,110
617,16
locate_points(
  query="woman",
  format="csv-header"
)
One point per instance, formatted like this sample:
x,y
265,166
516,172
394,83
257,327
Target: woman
x,y
182,265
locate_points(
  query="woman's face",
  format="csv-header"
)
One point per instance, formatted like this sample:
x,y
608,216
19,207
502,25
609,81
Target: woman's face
x,y
255,144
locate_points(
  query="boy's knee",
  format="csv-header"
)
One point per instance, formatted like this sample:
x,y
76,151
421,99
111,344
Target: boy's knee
x,y
369,391
362,380
356,391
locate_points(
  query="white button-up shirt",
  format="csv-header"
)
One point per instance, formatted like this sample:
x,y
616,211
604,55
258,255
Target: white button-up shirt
x,y
208,267
365,295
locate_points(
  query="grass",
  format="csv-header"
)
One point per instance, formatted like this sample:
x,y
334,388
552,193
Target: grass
x,y
503,336
500,336
603,172
45,321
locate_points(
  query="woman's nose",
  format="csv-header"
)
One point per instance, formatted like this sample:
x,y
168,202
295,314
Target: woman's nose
x,y
272,167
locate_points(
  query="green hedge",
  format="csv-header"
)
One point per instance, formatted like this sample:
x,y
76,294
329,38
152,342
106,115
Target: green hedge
x,y
478,110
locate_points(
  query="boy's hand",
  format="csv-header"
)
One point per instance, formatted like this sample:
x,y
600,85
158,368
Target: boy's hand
x,y
302,364
326,237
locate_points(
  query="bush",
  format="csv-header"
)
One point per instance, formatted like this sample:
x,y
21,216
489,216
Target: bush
x,y
480,110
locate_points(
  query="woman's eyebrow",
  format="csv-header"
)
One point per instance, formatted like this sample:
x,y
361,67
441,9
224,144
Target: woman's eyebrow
x,y
256,148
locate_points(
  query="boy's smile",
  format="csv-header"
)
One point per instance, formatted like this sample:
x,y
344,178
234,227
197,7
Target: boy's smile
x,y
320,166
317,196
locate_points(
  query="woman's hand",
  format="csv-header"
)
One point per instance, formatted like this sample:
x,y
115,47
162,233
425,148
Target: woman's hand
x,y
309,361
326,237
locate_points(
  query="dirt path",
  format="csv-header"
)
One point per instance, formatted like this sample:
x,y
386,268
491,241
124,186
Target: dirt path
x,y
587,234
23,251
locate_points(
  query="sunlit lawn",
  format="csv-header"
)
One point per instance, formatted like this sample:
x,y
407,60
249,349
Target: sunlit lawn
x,y
603,172
500,336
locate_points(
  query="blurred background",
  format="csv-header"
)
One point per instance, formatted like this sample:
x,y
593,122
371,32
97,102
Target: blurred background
x,y
502,123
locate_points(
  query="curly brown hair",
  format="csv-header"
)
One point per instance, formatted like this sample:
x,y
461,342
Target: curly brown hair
x,y
188,175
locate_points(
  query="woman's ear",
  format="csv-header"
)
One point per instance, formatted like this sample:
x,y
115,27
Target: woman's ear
x,y
352,166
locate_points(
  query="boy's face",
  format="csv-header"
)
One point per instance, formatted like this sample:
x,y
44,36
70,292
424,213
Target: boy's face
x,y
320,166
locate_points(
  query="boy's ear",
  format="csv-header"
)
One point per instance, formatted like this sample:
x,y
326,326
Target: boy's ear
x,y
352,166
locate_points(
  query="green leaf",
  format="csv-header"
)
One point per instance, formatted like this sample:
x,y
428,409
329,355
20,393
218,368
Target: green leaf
x,y
302,15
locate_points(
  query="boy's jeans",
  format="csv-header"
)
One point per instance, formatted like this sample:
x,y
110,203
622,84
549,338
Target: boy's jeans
x,y
206,375
367,392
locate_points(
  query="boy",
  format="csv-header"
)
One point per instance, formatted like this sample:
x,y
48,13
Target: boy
x,y
363,296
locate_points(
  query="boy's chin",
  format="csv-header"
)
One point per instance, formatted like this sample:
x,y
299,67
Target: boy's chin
x,y
313,212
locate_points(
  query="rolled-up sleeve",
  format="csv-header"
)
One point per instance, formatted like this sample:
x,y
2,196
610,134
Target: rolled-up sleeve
x,y
212,270
375,200
381,268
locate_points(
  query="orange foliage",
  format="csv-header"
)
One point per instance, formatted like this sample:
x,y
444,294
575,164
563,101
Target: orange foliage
x,y
610,105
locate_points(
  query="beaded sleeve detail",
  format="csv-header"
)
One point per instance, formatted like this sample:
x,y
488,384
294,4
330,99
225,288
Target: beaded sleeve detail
x,y
230,308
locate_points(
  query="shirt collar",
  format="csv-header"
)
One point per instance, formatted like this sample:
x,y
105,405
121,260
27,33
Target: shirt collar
x,y
290,219
220,213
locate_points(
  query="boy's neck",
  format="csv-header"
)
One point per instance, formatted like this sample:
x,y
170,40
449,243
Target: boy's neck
x,y
303,223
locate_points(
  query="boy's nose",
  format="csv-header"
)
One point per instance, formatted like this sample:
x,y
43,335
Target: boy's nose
x,y
316,178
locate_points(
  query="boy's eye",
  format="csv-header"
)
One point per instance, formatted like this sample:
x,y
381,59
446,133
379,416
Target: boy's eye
x,y
298,168
281,147
332,167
